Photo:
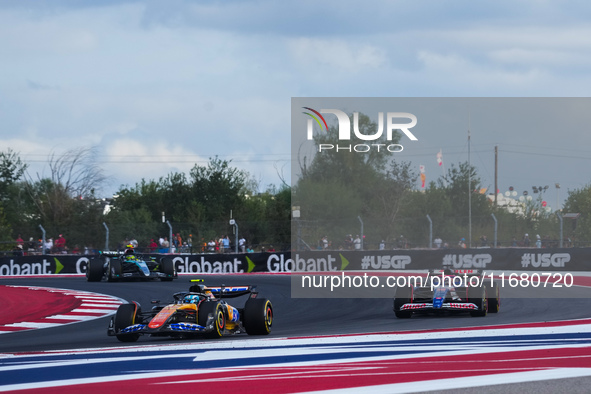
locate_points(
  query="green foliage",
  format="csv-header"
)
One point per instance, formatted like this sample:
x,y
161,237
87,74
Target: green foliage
x,y
11,170
200,205
578,201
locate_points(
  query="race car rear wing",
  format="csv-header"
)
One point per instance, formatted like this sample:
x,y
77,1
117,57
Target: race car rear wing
x,y
113,253
448,271
224,291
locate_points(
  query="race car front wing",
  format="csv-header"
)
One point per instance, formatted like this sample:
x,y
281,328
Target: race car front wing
x,y
445,305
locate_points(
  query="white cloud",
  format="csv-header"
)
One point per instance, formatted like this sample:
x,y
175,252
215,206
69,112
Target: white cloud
x,y
336,54
196,80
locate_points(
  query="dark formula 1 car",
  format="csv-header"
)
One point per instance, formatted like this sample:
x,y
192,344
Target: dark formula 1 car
x,y
119,265
459,291
202,310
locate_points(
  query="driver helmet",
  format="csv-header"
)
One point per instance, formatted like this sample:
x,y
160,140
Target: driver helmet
x,y
129,250
191,299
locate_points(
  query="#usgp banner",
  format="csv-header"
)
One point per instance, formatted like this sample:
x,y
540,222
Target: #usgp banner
x,y
511,259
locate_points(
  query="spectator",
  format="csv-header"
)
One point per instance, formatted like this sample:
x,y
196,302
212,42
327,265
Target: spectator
x,y
438,241
402,242
462,243
483,241
348,241
179,241
242,244
18,250
164,247
526,240
31,245
383,245
226,244
211,246
60,244
19,241
538,241
48,247
152,246
357,242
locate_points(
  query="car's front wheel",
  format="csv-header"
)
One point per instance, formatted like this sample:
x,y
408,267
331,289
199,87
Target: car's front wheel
x,y
125,317
94,270
167,268
114,270
216,310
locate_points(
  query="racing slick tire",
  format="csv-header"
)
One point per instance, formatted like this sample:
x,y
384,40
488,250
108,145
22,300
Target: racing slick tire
x,y
217,311
125,317
113,270
403,295
258,316
167,268
494,299
94,270
477,296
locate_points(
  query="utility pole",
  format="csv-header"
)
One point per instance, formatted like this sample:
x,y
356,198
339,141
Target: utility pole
x,y
496,173
469,188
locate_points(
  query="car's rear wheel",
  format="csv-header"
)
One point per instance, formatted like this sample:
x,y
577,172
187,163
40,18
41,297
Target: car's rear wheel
x,y
125,317
403,295
477,296
167,268
258,316
94,270
493,298
114,270
216,310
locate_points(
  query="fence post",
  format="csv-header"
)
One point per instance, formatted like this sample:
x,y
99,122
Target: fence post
x,y
496,227
42,239
561,225
170,243
106,237
430,231
361,221
233,222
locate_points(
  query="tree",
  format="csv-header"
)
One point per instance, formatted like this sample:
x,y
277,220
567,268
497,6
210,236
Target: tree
x,y
579,201
218,188
66,199
11,170
462,183
341,185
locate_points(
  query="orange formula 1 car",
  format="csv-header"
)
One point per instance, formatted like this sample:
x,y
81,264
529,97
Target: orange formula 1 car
x,y
200,311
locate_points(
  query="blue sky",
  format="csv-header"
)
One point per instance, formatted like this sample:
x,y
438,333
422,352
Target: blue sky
x,y
160,85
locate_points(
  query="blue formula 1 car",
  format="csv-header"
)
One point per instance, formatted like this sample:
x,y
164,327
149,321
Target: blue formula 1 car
x,y
453,291
115,266
200,311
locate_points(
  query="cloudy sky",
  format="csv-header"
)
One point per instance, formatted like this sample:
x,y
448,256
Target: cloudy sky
x,y
158,86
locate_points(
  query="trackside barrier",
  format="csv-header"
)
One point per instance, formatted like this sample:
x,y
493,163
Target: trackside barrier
x,y
513,259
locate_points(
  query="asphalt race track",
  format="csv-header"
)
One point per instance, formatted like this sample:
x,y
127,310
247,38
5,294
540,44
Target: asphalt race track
x,y
293,317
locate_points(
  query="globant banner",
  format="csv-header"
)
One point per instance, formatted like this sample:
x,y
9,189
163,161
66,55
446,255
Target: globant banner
x,y
510,259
